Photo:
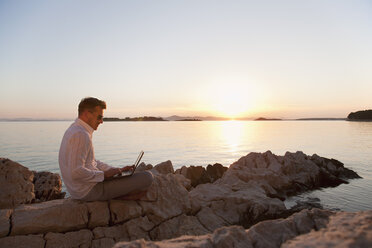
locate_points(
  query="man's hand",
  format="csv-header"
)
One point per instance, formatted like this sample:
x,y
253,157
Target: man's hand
x,y
112,172
127,168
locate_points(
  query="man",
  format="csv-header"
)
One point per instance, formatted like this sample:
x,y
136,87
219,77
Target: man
x,y
85,177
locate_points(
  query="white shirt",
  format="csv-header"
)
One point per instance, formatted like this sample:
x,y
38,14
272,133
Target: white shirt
x,y
80,171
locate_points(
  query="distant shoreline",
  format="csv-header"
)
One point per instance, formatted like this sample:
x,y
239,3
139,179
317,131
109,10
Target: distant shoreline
x,y
188,120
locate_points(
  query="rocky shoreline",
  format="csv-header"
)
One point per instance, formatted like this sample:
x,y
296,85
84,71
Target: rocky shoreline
x,y
237,206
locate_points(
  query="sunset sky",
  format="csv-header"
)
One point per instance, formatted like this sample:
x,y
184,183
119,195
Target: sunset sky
x,y
283,59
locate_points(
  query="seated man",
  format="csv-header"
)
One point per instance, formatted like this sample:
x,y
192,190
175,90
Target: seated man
x,y
83,175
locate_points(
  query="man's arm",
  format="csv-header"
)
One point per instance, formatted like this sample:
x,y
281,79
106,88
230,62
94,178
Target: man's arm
x,y
103,166
79,146
108,170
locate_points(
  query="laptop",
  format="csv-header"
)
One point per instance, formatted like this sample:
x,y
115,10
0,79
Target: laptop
x,y
129,173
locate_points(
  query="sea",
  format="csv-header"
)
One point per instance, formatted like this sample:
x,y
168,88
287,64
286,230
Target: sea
x,y
35,144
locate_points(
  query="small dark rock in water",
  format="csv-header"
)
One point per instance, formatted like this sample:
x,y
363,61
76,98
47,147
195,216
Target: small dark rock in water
x,y
308,203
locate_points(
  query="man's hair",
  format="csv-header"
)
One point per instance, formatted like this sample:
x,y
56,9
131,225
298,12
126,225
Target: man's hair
x,y
89,103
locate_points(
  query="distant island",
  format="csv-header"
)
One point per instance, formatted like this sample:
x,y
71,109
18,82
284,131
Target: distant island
x,y
321,119
200,118
363,115
267,119
189,120
144,118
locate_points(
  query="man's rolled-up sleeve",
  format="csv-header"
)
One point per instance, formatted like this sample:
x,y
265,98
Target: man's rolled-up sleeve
x,y
102,166
80,145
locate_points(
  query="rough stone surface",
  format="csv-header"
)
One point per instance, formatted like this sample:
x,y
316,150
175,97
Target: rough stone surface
x,y
122,211
51,216
272,233
178,226
343,230
23,241
233,236
15,184
142,167
139,228
210,220
167,198
116,233
134,229
82,239
98,214
164,167
5,221
196,174
48,186
199,175
183,181
309,228
103,243
215,171
250,191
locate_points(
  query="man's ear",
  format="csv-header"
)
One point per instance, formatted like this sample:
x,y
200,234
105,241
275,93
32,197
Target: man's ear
x,y
84,115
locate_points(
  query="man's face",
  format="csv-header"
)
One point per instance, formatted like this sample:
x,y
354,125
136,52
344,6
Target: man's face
x,y
95,117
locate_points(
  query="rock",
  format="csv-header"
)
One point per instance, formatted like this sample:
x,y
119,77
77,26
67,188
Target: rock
x,y
215,171
139,228
249,192
23,241
199,175
183,181
142,167
134,229
196,174
210,220
235,204
164,167
167,198
98,213
343,230
308,203
273,233
82,238
233,236
15,184
48,186
178,226
51,216
5,221
244,194
122,211
266,234
290,174
116,233
103,243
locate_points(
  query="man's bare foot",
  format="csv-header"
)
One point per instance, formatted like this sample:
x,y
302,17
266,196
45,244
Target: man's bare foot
x,y
132,197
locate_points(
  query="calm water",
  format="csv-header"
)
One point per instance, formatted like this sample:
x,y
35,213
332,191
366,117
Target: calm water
x,y
36,145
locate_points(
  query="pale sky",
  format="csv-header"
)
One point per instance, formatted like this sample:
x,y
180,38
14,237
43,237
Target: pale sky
x,y
284,59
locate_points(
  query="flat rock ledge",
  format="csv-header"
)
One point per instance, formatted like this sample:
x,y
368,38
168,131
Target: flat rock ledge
x,y
250,191
308,228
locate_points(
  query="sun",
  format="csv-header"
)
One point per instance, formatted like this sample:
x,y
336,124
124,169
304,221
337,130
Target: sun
x,y
234,100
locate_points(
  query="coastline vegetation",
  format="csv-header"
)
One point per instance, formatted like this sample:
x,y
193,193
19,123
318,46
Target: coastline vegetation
x,y
363,115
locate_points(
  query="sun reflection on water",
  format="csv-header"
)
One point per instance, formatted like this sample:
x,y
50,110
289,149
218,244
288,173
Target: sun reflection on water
x,y
232,133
